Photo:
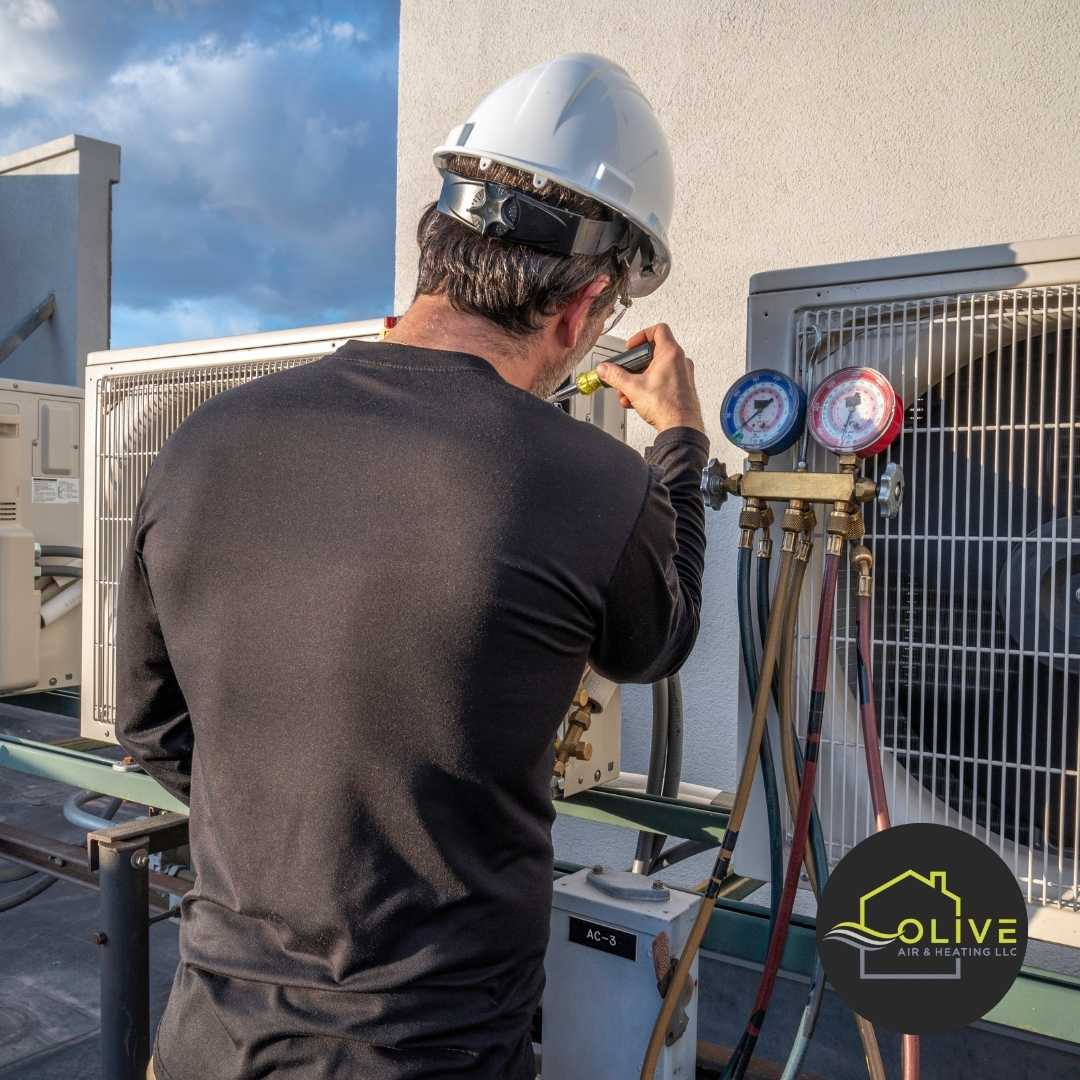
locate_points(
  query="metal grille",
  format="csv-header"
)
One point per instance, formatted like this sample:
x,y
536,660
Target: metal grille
x,y
136,413
8,511
977,582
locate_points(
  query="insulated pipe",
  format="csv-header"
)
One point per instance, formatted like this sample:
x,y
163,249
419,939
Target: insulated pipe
x,y
58,571
59,604
673,763
654,781
822,650
768,767
863,561
677,983
83,819
673,768
61,552
695,793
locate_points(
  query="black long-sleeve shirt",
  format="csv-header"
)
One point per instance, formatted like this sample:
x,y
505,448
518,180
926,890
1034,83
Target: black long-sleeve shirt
x,y
358,598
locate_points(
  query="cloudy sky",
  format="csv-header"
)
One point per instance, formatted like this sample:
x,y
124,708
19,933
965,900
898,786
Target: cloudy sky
x,y
257,160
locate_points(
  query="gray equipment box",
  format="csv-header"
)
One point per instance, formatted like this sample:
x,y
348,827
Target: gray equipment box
x,y
601,998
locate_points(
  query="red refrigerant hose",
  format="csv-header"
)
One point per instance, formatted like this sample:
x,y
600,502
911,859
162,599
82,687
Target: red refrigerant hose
x,y
864,561
822,653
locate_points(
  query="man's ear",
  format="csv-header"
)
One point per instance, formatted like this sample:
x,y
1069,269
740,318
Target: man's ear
x,y
575,315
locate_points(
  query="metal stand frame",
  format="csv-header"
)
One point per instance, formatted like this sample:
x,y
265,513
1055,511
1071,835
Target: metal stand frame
x,y
121,856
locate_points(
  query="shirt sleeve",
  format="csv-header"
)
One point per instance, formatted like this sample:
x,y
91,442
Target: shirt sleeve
x,y
652,604
152,719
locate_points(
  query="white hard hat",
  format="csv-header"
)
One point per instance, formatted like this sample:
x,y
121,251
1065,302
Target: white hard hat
x,y
582,122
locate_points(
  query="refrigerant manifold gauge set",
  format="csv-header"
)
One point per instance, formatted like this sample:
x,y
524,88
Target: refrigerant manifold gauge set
x,y
855,413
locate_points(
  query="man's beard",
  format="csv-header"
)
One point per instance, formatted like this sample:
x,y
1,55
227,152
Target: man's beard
x,y
555,374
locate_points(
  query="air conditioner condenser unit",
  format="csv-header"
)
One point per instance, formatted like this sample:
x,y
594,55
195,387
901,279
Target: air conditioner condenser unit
x,y
136,398
40,508
977,582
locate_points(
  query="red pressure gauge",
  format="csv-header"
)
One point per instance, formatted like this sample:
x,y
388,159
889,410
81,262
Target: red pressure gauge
x,y
855,411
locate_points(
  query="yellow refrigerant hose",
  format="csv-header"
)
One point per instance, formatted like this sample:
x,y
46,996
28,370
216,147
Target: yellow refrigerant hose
x,y
785,581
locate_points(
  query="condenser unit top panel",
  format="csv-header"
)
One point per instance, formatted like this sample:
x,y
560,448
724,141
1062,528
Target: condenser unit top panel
x,y
323,336
988,257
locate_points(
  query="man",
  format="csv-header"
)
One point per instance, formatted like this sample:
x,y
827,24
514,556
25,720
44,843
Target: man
x,y
360,595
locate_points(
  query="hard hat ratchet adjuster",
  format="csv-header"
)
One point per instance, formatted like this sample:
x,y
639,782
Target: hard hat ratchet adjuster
x,y
495,210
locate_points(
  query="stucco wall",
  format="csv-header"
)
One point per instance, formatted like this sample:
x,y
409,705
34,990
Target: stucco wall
x,y
802,134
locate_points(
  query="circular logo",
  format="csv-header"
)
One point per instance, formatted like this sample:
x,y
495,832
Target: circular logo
x,y
922,928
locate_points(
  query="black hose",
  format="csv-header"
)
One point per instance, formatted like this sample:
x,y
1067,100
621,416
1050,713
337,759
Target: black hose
x,y
56,570
61,552
43,881
647,846
673,768
768,768
678,853
673,765
15,872
7,903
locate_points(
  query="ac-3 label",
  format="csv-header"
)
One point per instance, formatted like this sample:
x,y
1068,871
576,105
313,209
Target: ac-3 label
x,y
605,938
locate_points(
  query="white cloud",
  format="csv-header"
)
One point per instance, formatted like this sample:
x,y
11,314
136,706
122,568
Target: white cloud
x,y
31,65
257,176
181,320
31,14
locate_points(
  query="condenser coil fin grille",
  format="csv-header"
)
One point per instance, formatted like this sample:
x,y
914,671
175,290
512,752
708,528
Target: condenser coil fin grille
x,y
136,413
977,582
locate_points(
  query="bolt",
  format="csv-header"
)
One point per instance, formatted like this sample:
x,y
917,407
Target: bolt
x,y
98,937
658,885
56,860
597,775
597,869
127,759
140,860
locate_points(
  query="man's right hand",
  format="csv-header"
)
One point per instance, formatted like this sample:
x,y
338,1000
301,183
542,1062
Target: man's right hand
x,y
663,395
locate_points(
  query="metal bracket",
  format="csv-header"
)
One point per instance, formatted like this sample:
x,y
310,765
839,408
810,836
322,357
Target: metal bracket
x,y
42,313
158,833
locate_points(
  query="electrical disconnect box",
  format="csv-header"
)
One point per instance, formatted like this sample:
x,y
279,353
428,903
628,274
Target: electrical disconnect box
x,y
614,937
40,508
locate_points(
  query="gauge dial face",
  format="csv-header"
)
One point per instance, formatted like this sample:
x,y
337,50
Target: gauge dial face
x,y
764,411
855,411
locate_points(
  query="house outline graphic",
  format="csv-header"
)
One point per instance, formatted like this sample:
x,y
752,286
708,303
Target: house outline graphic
x,y
935,881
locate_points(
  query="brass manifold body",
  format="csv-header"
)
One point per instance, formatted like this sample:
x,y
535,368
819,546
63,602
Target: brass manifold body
x,y
758,487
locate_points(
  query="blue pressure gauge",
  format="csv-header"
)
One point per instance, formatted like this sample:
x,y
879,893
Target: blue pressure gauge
x,y
764,411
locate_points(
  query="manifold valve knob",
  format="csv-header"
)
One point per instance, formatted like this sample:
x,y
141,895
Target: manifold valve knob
x,y
890,490
714,484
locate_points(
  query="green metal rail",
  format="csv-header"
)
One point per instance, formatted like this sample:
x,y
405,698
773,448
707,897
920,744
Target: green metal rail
x,y
1040,1002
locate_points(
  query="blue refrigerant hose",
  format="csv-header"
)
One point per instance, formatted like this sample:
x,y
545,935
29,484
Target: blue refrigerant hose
x,y
768,768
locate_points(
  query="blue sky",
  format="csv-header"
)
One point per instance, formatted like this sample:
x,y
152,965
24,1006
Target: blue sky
x,y
258,151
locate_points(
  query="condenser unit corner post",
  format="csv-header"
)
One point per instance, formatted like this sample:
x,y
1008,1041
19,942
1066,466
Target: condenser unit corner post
x,y
977,611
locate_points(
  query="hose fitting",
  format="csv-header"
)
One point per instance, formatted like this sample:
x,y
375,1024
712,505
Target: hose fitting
x,y
863,562
755,515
